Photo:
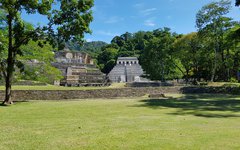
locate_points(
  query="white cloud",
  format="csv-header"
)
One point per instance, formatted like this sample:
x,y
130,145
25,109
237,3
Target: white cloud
x,y
149,11
143,11
114,19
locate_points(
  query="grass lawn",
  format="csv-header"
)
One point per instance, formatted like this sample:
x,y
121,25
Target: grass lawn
x,y
52,87
180,122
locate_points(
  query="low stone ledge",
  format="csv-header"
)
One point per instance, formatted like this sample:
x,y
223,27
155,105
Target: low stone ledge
x,y
23,95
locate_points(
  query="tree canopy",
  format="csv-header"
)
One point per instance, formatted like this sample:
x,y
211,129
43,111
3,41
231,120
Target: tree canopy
x,y
69,22
210,54
212,24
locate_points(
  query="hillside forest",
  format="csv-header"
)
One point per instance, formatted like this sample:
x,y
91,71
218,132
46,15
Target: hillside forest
x,y
210,54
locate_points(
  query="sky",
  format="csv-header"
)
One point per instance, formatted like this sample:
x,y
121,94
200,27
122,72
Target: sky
x,y
115,17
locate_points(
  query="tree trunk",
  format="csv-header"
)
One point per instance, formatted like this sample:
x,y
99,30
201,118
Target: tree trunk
x,y
9,77
163,73
214,67
10,64
187,76
216,50
8,90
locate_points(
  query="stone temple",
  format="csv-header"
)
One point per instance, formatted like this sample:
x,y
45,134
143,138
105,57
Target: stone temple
x,y
78,69
127,69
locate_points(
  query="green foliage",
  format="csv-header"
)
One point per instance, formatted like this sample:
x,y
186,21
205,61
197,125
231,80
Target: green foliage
x,y
33,51
71,20
41,72
186,50
125,45
212,25
107,58
211,53
92,48
3,44
157,58
233,80
37,61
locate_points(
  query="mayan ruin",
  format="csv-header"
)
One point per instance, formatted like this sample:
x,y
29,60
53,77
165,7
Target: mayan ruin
x,y
78,69
120,74
127,69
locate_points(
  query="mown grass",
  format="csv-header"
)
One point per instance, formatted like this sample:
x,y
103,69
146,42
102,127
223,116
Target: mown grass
x,y
218,84
52,87
178,122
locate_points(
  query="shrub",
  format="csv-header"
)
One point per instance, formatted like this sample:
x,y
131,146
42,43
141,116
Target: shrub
x,y
233,80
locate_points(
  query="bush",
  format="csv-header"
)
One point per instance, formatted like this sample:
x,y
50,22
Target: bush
x,y
233,80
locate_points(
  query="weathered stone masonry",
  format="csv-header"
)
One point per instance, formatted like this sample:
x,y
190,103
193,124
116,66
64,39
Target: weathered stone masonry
x,y
114,93
20,95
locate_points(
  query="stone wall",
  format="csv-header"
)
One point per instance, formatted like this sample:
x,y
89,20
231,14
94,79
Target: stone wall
x,y
214,90
21,95
114,93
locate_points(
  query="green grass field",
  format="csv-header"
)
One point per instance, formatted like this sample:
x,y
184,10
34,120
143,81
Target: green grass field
x,y
52,87
181,122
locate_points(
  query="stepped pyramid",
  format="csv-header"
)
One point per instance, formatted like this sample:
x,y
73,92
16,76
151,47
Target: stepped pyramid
x,y
127,69
78,69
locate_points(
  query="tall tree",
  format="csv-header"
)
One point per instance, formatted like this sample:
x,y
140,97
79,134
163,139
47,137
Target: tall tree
x,y
232,42
212,24
72,21
156,59
186,49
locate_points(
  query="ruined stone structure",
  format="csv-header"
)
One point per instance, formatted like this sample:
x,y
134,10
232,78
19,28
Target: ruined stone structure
x,y
78,69
127,69
67,56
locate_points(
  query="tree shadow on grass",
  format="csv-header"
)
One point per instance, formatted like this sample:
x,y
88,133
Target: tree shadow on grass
x,y
201,105
3,105
14,102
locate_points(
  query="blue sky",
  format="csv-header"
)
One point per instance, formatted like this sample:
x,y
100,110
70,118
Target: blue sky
x,y
115,17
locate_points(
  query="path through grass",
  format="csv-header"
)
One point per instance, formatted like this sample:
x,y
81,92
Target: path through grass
x,y
187,122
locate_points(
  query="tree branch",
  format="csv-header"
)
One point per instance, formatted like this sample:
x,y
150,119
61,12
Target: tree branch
x,y
24,40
